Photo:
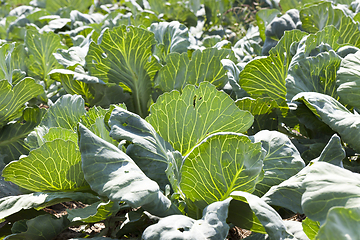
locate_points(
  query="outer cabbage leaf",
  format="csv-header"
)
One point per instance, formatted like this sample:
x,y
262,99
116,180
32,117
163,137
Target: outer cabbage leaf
x,y
65,113
42,227
96,212
310,227
341,223
288,193
122,57
204,66
12,135
314,66
6,71
185,120
348,79
14,98
265,77
54,6
150,152
94,119
315,17
282,159
335,115
175,10
211,226
7,188
55,166
220,164
41,48
264,111
298,4
263,18
327,186
13,204
171,37
93,90
333,152
112,173
268,217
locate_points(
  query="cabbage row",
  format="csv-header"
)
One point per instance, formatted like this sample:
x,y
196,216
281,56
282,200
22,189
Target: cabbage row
x,y
180,119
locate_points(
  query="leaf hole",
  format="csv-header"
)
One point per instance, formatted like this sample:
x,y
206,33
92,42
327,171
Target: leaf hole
x,y
181,229
194,101
125,124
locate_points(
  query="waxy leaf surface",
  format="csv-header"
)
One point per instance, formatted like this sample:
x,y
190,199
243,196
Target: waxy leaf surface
x,y
220,164
55,166
112,173
186,119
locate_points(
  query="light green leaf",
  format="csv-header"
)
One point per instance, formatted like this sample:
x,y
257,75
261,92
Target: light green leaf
x,y
211,41
53,7
185,120
264,111
220,164
55,166
17,58
267,216
181,11
204,66
112,173
14,98
348,79
282,159
334,114
171,36
298,4
341,223
13,204
6,71
96,212
315,17
232,87
173,74
328,186
310,227
313,68
41,48
215,9
60,133
12,135
122,57
148,149
264,17
93,90
42,227
211,226
265,77
65,113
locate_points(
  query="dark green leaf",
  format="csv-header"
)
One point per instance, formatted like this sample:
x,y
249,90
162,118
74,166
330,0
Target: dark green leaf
x,y
282,159
13,204
211,226
112,173
315,17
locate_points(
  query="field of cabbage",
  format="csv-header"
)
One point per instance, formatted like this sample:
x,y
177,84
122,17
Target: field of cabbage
x,y
197,119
